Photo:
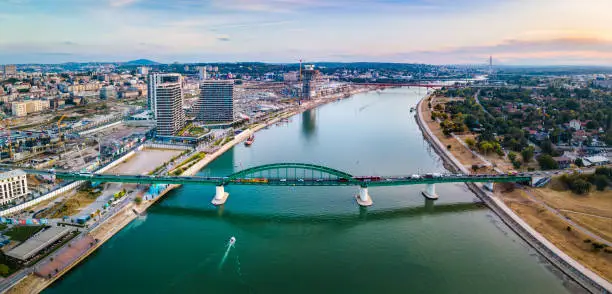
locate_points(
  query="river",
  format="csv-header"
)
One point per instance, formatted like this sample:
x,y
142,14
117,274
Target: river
x,y
317,239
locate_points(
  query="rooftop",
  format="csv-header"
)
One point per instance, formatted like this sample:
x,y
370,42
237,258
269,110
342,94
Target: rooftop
x,y
38,242
12,174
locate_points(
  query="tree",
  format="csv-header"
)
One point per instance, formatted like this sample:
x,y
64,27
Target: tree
x,y
4,269
592,125
486,147
470,142
547,162
512,156
527,154
579,162
581,186
601,182
547,147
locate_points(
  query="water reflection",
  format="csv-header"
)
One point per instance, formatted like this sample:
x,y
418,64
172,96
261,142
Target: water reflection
x,y
309,123
245,219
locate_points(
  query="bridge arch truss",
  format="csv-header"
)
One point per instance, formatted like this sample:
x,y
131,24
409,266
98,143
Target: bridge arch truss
x,y
290,172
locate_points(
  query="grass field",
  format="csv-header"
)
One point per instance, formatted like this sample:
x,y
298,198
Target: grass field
x,y
22,233
555,229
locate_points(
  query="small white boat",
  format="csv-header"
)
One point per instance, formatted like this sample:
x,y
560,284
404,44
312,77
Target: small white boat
x,y
232,240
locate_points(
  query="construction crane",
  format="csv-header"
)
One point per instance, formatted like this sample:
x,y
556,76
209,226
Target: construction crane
x,y
300,69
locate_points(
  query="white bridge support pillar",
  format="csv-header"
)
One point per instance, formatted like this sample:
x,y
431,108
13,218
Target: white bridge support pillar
x,y
363,197
220,195
430,191
488,186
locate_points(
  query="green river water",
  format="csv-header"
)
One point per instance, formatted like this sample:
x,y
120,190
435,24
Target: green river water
x,y
317,239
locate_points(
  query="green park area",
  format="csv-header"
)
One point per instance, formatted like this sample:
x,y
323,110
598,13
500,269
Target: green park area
x,y
178,170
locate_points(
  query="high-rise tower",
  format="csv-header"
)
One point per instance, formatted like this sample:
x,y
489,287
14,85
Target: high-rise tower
x,y
166,103
216,103
309,82
156,79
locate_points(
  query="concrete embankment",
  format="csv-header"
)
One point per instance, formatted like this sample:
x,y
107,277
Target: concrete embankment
x,y
573,269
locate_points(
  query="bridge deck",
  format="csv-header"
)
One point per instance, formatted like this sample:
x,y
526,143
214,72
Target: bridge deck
x,y
355,181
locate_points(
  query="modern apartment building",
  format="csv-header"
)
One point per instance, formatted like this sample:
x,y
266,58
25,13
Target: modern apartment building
x,y
154,81
169,108
30,106
216,103
13,185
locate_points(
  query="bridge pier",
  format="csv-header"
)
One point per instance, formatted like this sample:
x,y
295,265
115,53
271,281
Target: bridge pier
x,y
488,186
363,197
220,195
430,192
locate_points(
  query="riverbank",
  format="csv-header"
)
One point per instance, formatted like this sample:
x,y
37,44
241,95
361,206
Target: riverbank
x,y
34,283
585,277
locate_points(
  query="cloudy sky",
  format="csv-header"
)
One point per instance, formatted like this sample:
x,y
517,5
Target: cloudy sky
x,y
424,31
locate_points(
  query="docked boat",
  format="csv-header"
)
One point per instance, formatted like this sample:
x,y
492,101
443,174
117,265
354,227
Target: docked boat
x,y
250,140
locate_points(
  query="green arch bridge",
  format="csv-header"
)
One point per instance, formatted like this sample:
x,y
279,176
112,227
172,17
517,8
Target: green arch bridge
x,y
294,174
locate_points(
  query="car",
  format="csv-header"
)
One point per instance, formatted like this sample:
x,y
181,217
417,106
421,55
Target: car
x,y
436,175
319,180
300,180
283,180
415,177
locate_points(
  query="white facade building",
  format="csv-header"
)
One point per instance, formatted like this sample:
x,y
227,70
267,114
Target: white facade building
x,y
575,124
169,108
202,73
13,185
155,81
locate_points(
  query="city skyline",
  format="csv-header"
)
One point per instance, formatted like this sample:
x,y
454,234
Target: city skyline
x,y
422,31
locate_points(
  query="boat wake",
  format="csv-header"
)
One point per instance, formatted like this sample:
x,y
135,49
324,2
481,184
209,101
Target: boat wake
x,y
230,245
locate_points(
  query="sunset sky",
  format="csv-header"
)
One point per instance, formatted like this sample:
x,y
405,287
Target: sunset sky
x,y
520,32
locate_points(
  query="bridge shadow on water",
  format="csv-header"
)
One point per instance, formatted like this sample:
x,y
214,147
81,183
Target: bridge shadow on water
x,y
364,215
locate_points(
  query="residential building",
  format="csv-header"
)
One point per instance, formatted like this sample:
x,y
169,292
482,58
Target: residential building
x,y
563,162
19,109
202,73
291,76
13,185
10,70
154,82
575,124
216,103
25,107
108,92
603,83
143,70
169,108
129,94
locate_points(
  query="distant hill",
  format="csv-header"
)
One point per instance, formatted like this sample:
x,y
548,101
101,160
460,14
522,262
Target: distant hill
x,y
141,62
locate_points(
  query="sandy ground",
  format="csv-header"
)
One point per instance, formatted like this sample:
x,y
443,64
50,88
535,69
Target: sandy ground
x,y
593,211
144,161
555,230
